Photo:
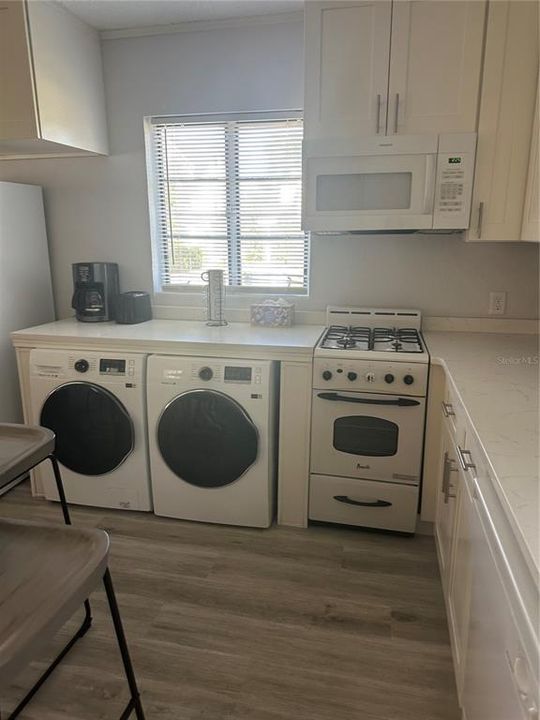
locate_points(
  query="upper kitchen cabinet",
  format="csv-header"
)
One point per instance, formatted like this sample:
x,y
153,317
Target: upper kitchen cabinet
x,y
505,121
371,69
435,62
530,229
347,45
51,83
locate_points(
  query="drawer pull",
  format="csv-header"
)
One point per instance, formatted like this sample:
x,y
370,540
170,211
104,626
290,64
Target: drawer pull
x,y
336,397
448,409
362,503
466,464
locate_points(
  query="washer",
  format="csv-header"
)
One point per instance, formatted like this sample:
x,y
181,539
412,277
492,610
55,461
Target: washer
x,y
95,403
212,426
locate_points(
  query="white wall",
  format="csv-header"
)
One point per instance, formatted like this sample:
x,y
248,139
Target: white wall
x,y
97,207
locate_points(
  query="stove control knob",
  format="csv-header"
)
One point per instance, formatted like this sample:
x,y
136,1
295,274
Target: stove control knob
x,y
389,378
81,366
352,376
206,373
370,377
408,379
327,375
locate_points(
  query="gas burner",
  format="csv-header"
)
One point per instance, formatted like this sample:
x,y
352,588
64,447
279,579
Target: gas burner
x,y
397,340
347,338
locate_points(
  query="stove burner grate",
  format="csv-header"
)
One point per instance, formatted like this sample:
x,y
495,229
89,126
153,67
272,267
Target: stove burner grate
x,y
379,339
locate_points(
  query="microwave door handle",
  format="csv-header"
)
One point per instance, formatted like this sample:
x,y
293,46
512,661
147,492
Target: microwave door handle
x,y
335,397
362,503
429,185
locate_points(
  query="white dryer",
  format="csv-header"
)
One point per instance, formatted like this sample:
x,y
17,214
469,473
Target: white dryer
x,y
96,405
212,426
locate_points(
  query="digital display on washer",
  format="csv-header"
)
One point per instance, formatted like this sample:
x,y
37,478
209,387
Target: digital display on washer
x,y
237,374
112,367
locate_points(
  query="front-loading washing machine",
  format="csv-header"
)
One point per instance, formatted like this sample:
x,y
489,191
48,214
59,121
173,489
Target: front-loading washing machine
x,y
95,403
212,428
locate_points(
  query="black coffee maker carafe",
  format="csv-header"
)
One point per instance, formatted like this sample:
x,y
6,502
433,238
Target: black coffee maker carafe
x,y
95,287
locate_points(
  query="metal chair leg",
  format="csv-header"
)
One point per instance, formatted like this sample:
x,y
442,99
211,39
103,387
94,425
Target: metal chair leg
x,y
60,488
135,701
83,629
67,520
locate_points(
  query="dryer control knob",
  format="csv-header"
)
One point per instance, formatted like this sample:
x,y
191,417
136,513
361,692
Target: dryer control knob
x,y
81,366
206,373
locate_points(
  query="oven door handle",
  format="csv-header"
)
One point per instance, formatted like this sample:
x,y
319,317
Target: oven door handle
x,y
363,503
336,397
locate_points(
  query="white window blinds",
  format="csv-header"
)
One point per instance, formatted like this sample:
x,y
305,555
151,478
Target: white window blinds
x,y
228,195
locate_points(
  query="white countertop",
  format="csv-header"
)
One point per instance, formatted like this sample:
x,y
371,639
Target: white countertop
x,y
496,377
177,336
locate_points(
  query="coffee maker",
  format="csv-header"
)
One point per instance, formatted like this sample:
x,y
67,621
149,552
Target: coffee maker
x,y
95,287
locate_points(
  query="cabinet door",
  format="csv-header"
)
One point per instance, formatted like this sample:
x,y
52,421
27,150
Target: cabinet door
x,y
498,684
446,505
435,61
459,589
17,108
346,68
530,229
505,121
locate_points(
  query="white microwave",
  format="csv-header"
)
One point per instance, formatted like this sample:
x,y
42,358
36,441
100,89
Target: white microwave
x,y
414,182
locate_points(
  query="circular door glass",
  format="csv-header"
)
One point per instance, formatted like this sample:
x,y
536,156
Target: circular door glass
x,y
206,438
94,432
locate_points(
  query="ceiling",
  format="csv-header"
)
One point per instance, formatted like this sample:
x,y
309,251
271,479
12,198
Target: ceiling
x,y
121,14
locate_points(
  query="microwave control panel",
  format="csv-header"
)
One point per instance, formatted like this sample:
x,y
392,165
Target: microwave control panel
x,y
453,186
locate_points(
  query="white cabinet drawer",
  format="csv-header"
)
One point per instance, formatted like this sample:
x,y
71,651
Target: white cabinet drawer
x,y
363,502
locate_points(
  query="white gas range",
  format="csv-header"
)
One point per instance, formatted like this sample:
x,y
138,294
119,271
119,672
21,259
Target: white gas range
x,y
370,376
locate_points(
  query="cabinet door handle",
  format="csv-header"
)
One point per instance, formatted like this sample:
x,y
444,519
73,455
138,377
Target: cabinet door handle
x,y
378,114
448,409
465,464
480,219
396,114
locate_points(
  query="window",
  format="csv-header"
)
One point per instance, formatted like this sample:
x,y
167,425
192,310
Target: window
x,y
227,194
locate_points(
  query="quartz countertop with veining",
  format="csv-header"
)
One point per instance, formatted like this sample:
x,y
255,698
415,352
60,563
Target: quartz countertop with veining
x,y
496,377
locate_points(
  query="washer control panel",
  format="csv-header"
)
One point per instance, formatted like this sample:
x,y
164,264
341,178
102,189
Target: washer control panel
x,y
87,367
210,372
370,376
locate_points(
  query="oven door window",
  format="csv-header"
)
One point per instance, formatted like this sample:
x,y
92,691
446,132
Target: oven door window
x,y
364,435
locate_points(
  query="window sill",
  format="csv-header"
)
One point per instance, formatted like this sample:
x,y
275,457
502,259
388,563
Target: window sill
x,y
194,291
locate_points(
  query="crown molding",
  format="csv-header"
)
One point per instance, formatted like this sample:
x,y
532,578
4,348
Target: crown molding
x,y
201,25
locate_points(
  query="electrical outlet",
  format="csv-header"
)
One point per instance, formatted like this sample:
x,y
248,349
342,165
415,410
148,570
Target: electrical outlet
x,y
497,302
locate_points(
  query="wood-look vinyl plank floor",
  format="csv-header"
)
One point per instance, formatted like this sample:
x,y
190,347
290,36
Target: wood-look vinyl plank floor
x,y
232,623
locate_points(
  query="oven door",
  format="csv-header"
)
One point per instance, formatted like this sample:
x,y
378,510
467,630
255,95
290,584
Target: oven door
x,y
367,435
364,193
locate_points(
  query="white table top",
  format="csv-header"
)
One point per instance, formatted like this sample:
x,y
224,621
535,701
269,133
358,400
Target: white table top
x,y
177,336
496,377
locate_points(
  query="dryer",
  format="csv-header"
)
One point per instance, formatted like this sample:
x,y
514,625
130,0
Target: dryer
x,y
212,426
96,405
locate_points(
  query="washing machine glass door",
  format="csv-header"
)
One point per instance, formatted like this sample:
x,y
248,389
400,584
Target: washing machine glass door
x,y
207,438
94,432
